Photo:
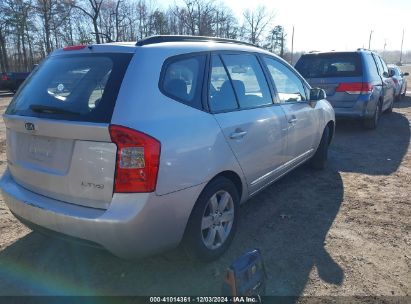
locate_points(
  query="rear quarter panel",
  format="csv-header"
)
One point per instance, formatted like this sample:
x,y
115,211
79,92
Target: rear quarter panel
x,y
193,148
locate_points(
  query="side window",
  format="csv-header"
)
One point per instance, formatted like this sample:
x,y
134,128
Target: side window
x,y
384,66
220,92
289,87
182,79
248,80
370,64
379,65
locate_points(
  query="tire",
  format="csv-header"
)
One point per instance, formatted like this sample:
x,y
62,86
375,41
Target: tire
x,y
397,97
389,110
405,93
372,122
210,230
319,160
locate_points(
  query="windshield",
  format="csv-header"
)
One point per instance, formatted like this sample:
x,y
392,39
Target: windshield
x,y
80,87
330,65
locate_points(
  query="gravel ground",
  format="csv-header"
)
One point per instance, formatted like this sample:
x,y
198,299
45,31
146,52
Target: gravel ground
x,y
342,231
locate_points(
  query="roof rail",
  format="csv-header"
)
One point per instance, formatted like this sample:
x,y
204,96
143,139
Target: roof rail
x,y
363,49
186,38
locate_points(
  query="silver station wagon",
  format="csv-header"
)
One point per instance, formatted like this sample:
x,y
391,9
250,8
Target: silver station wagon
x,y
138,147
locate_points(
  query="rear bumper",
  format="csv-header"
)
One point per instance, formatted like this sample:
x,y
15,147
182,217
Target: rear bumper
x,y
348,113
134,225
364,107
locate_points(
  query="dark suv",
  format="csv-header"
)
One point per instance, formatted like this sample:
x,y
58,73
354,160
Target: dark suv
x,y
11,81
357,83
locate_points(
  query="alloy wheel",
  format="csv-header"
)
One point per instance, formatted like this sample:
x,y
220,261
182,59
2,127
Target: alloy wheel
x,y
218,219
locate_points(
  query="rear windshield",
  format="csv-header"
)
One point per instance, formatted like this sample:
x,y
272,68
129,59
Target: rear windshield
x,y
80,87
330,65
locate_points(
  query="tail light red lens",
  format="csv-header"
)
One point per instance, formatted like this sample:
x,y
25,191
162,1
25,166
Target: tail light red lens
x,y
395,80
4,77
355,87
138,159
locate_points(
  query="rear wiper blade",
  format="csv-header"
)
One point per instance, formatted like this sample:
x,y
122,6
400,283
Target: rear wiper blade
x,y
51,110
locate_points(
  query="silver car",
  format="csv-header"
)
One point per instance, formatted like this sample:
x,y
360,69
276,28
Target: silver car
x,y
400,81
139,147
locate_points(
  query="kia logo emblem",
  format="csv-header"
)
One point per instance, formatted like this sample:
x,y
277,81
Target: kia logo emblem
x,y
29,126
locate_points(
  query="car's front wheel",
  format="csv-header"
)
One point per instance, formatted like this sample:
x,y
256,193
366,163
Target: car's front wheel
x,y
405,92
213,221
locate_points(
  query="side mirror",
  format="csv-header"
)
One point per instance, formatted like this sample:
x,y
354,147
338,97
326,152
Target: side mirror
x,y
316,94
392,73
405,74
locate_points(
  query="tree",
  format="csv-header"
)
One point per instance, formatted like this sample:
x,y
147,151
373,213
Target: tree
x,y
160,23
4,66
53,13
17,16
196,17
255,23
276,40
32,29
91,8
225,23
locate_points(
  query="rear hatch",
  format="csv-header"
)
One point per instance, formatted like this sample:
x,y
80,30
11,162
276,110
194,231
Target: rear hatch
x,y
58,140
338,73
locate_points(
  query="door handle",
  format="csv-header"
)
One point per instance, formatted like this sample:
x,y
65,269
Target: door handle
x,y
292,120
238,134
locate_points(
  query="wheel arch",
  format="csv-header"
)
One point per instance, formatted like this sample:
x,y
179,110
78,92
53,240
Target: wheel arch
x,y
230,175
234,178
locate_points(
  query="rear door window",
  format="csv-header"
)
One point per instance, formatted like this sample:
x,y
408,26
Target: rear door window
x,y
248,80
221,95
330,65
82,87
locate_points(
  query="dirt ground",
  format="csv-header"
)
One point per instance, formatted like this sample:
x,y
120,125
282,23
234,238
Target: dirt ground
x,y
342,231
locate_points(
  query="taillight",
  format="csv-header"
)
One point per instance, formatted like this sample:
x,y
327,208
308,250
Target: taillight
x,y
4,77
355,87
74,47
138,158
395,80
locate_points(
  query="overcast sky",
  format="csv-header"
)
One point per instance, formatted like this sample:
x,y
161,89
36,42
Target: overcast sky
x,y
337,25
